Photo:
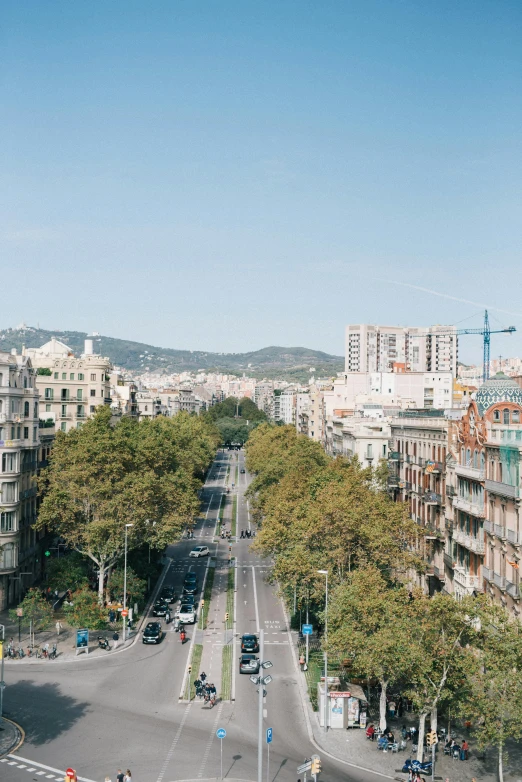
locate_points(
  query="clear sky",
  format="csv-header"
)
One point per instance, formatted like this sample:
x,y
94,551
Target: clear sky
x,y
229,175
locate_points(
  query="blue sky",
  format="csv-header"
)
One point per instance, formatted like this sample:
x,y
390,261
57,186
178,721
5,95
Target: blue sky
x,y
229,175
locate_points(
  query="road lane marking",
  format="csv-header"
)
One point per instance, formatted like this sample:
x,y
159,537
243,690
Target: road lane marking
x,y
174,743
255,600
206,515
33,765
209,742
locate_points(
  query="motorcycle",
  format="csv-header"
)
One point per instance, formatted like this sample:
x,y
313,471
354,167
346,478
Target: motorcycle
x,y
416,765
53,654
103,643
182,636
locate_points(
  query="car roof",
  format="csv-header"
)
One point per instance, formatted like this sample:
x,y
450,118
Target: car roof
x,y
151,625
249,635
191,576
248,657
186,605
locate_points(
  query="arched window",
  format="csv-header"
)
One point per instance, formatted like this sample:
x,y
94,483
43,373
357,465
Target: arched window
x,y
26,409
506,416
468,457
496,415
475,458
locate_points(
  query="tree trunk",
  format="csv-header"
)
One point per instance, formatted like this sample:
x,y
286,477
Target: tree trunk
x,y
101,575
500,765
382,706
422,730
433,717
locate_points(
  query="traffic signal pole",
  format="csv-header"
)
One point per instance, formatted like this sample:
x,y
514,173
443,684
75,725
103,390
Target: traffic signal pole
x,y
433,762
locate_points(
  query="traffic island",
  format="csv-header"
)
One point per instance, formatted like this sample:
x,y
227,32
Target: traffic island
x,y
11,736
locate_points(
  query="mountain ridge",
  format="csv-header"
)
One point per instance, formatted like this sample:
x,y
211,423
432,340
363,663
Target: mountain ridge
x,y
291,363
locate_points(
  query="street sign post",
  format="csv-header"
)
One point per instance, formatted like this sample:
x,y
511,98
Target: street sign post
x,y
124,612
221,733
306,766
269,737
307,629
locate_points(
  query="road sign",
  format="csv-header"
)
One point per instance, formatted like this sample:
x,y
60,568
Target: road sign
x,y
307,629
125,612
269,734
305,767
221,733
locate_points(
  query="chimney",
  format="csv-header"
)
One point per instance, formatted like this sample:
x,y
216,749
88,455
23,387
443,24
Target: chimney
x,y
13,352
88,349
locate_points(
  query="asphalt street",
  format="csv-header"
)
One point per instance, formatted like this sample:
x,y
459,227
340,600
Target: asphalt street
x,y
124,711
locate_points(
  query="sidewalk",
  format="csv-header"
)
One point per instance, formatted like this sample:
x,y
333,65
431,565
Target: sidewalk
x,y
10,737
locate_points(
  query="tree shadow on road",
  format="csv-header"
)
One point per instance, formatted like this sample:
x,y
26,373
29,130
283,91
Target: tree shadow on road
x,y
42,710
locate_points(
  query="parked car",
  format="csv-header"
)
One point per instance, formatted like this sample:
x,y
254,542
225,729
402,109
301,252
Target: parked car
x,y
249,663
249,643
200,551
153,634
186,614
160,608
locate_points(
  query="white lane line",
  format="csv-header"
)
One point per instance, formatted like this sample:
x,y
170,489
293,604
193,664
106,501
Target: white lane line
x,y
206,516
209,742
33,765
233,693
174,743
255,599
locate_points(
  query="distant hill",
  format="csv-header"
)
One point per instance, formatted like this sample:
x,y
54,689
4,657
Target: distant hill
x,y
292,364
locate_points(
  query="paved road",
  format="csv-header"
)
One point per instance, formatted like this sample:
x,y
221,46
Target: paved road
x,y
98,715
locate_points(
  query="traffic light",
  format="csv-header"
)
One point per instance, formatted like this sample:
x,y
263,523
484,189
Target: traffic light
x,y
431,738
190,668
202,603
316,765
226,617
47,553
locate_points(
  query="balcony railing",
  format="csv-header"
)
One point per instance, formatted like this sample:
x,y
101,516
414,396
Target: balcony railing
x,y
432,498
465,579
514,537
499,581
469,507
513,590
488,526
451,491
475,473
468,541
395,456
449,561
504,489
487,573
499,531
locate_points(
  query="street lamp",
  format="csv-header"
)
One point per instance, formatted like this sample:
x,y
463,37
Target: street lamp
x,y
261,681
125,585
325,573
2,683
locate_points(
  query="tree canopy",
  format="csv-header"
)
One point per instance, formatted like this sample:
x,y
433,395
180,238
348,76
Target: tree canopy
x,y
236,408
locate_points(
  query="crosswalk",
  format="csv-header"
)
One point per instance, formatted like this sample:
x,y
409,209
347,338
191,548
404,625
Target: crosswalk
x,y
37,769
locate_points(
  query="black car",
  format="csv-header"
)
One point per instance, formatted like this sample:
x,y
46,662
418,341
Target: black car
x,y
153,634
160,608
249,663
249,643
242,470
190,577
168,594
191,599
190,585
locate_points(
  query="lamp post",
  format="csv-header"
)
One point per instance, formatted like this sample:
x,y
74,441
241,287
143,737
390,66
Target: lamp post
x,y
325,573
2,683
261,681
125,584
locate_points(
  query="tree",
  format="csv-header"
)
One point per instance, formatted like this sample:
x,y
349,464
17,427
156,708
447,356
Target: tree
x,y
68,572
233,432
85,610
370,621
135,586
102,477
37,612
495,705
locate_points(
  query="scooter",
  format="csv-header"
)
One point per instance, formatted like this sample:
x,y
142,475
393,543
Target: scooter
x,y
416,765
103,643
182,636
53,654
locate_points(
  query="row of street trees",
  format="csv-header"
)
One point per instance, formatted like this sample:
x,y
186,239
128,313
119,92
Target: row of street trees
x,y
104,476
318,513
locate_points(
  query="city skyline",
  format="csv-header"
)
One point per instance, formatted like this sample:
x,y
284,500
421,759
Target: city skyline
x,y
261,176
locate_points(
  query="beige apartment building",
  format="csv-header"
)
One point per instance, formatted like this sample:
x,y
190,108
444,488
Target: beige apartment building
x,y
71,387
19,444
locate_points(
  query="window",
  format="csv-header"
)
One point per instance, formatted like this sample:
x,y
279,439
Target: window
x,y
80,411
8,521
79,394
506,416
9,462
49,393
65,394
9,492
81,376
93,377
71,376
47,408
92,409
63,426
25,382
26,432
93,392
26,409
515,416
35,433
7,557
56,375
64,411
496,415
64,375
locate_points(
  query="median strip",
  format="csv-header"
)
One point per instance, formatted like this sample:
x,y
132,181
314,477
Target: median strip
x,y
194,661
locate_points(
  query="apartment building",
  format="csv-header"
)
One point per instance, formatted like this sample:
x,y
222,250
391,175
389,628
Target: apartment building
x,y
264,398
70,387
372,348
19,444
365,438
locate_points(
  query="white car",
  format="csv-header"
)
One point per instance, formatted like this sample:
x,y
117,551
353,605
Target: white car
x,y
200,551
186,614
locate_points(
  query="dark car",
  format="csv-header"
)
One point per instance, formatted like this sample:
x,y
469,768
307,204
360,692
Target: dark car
x,y
242,470
249,663
168,594
160,608
249,643
190,577
191,599
190,585
153,634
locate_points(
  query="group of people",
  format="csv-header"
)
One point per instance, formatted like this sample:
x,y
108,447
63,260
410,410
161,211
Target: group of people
x,y
459,751
121,776
204,689
226,534
246,533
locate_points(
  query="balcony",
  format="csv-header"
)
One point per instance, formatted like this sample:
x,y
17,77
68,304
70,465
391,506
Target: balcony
x,y
499,581
433,467
504,489
451,491
466,581
487,573
449,561
432,498
488,527
474,473
470,542
499,531
513,590
395,456
514,537
469,507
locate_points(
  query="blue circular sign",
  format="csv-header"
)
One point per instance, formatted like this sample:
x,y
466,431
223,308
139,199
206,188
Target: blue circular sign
x,y
221,733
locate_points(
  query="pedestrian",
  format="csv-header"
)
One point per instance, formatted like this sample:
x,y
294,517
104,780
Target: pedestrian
x,y
464,748
391,709
203,676
112,616
120,776
107,779
128,776
116,639
58,627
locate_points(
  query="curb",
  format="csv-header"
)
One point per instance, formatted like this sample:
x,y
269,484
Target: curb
x,y
306,706
19,739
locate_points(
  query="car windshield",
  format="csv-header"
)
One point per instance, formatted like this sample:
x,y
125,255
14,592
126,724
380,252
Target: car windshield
x,y
248,657
190,578
186,608
249,639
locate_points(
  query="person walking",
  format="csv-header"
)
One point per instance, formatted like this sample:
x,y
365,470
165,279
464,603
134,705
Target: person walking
x,y
116,639
58,627
120,776
128,776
